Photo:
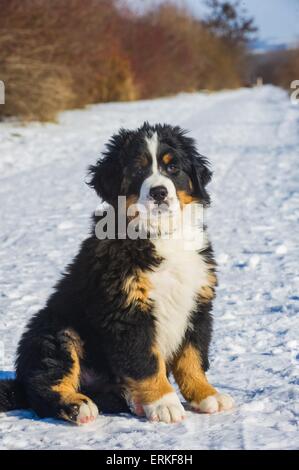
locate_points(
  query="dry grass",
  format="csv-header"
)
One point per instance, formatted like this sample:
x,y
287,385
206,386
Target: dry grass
x,y
58,55
35,90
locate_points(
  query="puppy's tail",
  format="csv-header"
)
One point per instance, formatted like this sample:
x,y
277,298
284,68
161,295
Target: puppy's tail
x,y
12,396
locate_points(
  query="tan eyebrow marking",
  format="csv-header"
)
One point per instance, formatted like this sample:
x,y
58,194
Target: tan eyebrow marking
x,y
167,158
142,160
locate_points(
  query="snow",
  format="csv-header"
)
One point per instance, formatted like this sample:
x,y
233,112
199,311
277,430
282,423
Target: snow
x,y
251,137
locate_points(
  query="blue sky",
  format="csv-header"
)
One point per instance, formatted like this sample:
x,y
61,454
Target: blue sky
x,y
278,20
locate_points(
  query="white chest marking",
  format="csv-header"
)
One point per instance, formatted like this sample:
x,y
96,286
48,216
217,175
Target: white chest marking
x,y
175,284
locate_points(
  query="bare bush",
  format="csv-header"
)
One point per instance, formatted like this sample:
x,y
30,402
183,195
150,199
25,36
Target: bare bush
x,y
278,67
57,55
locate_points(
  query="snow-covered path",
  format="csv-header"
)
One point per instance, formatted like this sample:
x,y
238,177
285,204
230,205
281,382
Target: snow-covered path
x,y
252,139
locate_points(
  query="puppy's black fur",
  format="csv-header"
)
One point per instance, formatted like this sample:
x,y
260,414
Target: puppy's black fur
x,y
90,315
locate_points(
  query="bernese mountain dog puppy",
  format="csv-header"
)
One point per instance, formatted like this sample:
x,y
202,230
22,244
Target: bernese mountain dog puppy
x,y
132,308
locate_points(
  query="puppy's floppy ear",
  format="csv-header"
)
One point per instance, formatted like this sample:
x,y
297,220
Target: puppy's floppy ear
x,y
106,178
200,172
107,174
201,176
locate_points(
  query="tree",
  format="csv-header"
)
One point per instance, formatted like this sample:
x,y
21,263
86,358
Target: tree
x,y
229,21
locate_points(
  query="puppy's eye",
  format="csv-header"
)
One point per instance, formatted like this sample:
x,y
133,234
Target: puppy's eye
x,y
139,171
172,169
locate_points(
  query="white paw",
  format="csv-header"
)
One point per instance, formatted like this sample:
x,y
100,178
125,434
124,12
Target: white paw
x,y
214,403
87,413
167,409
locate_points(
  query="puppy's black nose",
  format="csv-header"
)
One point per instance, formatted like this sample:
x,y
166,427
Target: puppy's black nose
x,y
158,193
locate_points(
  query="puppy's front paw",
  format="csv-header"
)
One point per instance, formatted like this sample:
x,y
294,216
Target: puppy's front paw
x,y
167,409
214,403
83,412
87,413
